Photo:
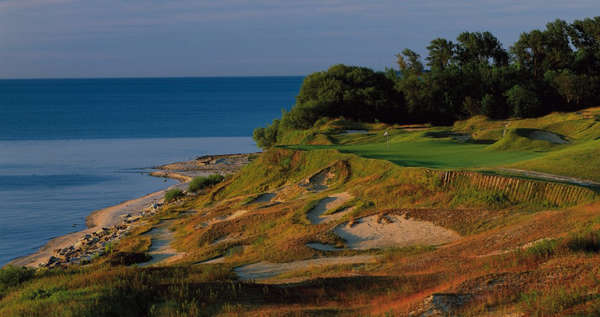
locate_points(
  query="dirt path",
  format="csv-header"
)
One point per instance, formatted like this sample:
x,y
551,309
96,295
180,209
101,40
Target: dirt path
x,y
315,215
376,232
551,177
265,270
161,250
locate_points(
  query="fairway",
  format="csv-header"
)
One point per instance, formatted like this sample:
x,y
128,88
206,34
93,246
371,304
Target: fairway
x,y
434,153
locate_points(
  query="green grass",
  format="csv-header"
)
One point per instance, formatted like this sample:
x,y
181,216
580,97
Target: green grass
x,y
581,160
430,152
201,182
173,194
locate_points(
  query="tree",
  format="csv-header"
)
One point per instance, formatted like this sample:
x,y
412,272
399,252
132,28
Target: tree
x,y
585,35
357,93
441,52
538,51
480,48
410,63
524,102
559,54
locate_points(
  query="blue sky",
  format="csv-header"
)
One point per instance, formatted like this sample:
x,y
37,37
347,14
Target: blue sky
x,y
141,38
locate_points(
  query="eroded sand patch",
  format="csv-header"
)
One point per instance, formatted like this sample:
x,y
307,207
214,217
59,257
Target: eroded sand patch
x,y
375,232
215,220
265,270
318,181
161,250
315,215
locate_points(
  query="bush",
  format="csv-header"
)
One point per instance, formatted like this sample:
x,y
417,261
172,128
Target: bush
x,y
266,137
543,249
11,276
202,182
173,194
129,258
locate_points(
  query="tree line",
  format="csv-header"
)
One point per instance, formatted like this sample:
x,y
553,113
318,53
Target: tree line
x,y
553,69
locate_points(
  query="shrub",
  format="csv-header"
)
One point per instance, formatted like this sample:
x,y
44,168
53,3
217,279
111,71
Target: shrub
x,y
173,194
543,249
11,276
129,258
202,182
266,137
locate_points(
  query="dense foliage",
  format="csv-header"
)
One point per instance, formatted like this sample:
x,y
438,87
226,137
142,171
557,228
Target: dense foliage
x,y
11,276
554,69
173,194
201,182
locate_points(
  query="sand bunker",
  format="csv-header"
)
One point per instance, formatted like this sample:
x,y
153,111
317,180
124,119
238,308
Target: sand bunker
x,y
318,181
547,136
265,270
393,231
315,215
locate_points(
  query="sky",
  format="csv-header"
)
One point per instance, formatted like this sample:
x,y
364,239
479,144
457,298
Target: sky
x,y
177,38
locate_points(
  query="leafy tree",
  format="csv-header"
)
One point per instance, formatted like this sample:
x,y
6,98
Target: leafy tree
x,y
410,63
480,48
524,102
559,54
266,137
441,53
554,69
529,52
585,36
357,93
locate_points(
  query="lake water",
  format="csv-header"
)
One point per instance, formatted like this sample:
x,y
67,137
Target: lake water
x,y
69,147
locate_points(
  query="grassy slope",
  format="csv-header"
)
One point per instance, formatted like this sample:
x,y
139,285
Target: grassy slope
x,y
550,278
492,146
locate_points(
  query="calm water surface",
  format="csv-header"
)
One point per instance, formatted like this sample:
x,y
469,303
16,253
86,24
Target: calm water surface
x,y
68,147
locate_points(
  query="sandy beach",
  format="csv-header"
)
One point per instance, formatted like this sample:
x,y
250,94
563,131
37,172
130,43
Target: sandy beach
x,y
97,220
114,215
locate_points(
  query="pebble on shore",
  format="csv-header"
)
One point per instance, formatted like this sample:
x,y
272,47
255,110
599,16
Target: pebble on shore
x,y
94,244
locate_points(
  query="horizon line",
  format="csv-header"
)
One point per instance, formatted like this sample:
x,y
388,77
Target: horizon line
x,y
149,77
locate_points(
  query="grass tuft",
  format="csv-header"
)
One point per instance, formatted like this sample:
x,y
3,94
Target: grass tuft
x,y
173,194
201,182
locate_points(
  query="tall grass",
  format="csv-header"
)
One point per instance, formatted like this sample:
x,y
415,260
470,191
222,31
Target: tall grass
x,y
173,194
200,182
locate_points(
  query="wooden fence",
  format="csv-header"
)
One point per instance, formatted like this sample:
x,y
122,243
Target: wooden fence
x,y
520,189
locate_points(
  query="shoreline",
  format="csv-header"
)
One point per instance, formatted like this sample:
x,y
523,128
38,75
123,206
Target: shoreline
x,y
96,221
108,224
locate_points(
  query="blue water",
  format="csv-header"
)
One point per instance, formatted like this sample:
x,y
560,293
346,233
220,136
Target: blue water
x,y
68,147
141,108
